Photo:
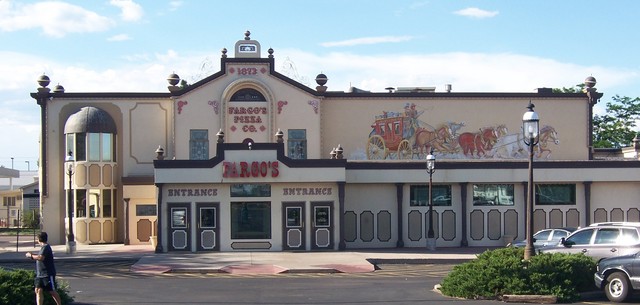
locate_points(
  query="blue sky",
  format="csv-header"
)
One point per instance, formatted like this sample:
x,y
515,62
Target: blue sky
x,y
477,46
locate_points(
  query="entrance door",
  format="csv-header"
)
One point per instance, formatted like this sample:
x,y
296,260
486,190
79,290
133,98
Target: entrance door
x,y
207,230
322,225
294,232
179,214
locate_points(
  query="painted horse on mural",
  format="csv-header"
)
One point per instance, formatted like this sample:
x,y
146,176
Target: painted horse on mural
x,y
437,139
512,146
547,134
477,144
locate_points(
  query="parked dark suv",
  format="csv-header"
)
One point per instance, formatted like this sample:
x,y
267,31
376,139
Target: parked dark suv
x,y
618,276
601,241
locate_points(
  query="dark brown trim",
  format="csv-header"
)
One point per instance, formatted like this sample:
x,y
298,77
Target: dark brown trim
x,y
399,200
419,164
278,147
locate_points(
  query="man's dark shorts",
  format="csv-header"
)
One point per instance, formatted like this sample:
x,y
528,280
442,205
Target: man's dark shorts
x,y
46,283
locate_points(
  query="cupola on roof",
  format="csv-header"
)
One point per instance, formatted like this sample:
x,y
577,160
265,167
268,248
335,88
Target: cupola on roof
x,y
90,119
247,48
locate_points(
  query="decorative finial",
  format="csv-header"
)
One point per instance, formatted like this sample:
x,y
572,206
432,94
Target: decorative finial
x,y
246,35
220,135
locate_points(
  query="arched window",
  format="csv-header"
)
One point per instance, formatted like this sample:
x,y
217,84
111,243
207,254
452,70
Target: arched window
x,y
248,95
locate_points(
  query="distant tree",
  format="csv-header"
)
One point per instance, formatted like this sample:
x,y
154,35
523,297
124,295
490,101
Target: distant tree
x,y
183,84
31,219
616,128
577,89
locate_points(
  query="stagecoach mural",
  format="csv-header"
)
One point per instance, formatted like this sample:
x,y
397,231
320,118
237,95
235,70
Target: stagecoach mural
x,y
403,136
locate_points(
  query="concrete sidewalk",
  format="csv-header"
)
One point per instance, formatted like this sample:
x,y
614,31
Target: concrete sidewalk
x,y
248,262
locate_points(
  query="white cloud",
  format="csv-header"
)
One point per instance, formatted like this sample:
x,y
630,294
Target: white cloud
x,y
366,41
119,37
130,11
55,18
174,5
475,12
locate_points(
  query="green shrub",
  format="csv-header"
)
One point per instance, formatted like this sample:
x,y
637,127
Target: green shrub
x,y
503,271
16,288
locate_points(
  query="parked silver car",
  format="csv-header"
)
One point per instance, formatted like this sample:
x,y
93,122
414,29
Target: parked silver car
x,y
600,241
545,237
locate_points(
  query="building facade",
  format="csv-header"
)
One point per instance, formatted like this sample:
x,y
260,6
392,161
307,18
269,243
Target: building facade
x,y
250,159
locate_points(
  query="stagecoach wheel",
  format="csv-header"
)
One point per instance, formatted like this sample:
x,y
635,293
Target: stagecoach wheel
x,y
404,150
376,149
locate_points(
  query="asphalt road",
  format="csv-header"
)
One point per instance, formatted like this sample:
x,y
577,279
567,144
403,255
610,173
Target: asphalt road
x,y
111,282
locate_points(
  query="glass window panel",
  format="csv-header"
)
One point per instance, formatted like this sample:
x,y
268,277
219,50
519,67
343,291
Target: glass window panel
x,y
419,194
70,145
250,220
294,217
543,235
250,190
107,147
106,203
628,237
552,194
199,144
493,194
297,143
581,238
94,147
322,216
81,203
178,218
248,95
94,203
146,210
81,147
207,218
606,236
115,206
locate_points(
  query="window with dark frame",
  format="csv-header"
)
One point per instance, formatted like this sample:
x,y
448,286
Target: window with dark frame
x,y
297,143
555,194
199,144
250,220
493,194
440,195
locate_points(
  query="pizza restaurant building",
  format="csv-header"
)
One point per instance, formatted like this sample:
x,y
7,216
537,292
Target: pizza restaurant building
x,y
251,159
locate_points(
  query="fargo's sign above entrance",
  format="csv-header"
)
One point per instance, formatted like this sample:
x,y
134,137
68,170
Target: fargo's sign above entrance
x,y
255,169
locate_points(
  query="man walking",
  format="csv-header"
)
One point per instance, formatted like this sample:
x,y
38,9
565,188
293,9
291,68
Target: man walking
x,y
45,271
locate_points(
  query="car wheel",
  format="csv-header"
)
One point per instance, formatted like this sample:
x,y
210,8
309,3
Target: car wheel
x,y
617,287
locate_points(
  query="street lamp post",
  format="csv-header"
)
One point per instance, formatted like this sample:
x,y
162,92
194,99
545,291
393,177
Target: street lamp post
x,y
431,167
71,240
530,132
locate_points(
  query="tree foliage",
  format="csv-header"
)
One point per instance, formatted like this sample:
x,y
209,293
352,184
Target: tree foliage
x,y
616,128
31,219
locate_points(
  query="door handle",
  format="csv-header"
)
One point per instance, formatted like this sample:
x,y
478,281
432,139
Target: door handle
x,y
584,250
